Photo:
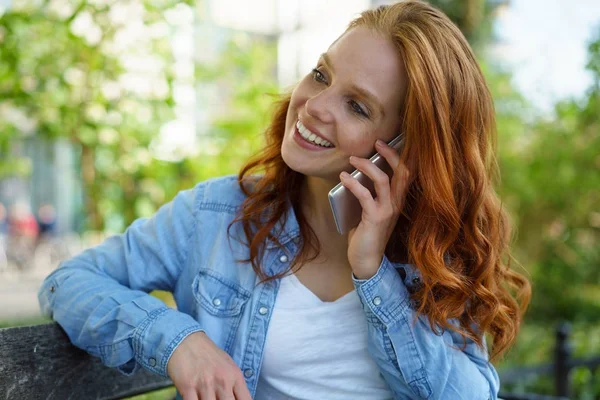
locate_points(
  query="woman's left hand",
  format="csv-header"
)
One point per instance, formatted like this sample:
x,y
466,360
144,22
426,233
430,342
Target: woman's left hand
x,y
368,240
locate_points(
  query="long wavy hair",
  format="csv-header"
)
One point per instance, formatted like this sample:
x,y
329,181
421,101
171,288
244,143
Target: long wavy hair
x,y
453,227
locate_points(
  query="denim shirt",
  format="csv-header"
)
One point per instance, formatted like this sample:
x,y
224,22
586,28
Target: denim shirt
x,y
100,298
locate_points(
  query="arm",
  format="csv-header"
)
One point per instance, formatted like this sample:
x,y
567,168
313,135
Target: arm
x,y
416,362
100,297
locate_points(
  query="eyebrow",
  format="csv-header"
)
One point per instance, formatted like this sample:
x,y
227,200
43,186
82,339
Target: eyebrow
x,y
357,89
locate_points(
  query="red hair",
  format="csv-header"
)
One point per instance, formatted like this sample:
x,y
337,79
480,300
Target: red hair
x,y
453,227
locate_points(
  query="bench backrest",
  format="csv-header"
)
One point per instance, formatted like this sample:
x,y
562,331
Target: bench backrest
x,y
39,362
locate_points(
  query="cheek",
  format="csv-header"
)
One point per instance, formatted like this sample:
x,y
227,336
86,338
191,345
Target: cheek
x,y
358,143
296,101
292,108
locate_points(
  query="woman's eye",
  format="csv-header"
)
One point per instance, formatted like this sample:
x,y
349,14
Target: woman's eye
x,y
318,76
357,108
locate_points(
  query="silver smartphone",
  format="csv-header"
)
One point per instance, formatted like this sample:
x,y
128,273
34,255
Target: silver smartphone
x,y
344,205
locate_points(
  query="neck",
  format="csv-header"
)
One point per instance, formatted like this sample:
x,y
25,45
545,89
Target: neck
x,y
315,208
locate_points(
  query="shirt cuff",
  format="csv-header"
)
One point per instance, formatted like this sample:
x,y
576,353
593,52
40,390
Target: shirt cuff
x,y
384,295
158,336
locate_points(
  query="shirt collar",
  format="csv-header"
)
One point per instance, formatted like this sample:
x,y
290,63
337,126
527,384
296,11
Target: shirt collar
x,y
286,228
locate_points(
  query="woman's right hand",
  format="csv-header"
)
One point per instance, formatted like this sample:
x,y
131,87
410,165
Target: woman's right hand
x,y
202,371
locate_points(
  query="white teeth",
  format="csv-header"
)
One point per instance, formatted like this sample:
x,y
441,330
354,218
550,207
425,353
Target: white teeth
x,y
311,137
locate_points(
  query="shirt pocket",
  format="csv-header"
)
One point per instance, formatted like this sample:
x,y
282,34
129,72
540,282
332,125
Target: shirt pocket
x,y
219,306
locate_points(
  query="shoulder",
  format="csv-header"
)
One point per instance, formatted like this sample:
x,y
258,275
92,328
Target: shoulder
x,y
221,193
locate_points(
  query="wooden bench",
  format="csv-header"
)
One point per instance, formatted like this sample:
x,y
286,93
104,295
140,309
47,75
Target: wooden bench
x,y
39,362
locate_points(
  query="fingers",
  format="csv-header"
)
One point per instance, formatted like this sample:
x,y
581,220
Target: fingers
x,y
189,394
362,193
221,387
391,155
393,159
379,178
200,370
207,393
240,390
226,389
225,396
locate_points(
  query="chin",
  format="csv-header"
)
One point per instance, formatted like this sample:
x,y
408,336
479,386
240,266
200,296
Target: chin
x,y
294,163
314,172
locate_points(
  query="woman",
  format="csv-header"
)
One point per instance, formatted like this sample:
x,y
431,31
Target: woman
x,y
397,308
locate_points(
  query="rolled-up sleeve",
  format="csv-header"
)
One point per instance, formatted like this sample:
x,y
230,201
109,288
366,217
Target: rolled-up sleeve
x,y
100,297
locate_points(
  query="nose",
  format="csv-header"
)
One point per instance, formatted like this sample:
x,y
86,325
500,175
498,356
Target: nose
x,y
319,107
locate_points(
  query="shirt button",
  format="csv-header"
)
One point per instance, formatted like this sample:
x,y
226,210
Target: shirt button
x,y
416,280
217,302
52,289
283,258
152,361
377,300
248,373
263,310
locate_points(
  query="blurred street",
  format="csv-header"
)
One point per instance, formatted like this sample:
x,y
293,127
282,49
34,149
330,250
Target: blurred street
x,y
18,293
23,267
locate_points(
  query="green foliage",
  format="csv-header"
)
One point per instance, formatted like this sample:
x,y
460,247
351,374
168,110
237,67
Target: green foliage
x,y
551,182
473,17
14,322
535,345
237,133
64,73
163,394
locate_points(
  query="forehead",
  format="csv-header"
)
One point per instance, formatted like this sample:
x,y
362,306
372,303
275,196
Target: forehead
x,y
367,59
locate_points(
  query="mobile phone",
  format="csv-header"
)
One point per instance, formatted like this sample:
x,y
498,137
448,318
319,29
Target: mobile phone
x,y
344,205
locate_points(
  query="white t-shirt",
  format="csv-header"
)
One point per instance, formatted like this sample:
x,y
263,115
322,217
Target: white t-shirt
x,y
317,350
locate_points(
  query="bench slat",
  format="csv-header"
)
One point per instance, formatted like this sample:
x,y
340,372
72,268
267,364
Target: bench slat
x,y
39,362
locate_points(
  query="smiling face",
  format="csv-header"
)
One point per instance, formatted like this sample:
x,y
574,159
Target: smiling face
x,y
352,98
